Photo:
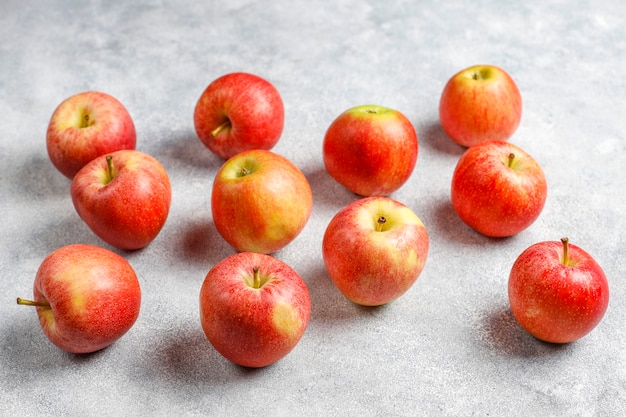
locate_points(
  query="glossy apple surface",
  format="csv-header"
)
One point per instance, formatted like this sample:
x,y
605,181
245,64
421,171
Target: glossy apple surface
x,y
86,297
85,126
480,103
124,197
239,112
374,250
370,150
260,201
557,291
498,189
254,308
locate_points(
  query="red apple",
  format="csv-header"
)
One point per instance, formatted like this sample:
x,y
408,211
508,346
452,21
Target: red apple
x,y
124,197
374,250
558,293
480,103
498,189
85,126
260,201
370,150
254,308
86,297
239,112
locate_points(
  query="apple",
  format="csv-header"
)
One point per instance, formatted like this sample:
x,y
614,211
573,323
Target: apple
x,y
558,293
85,126
260,201
374,249
254,308
124,197
480,103
86,297
239,112
370,150
498,189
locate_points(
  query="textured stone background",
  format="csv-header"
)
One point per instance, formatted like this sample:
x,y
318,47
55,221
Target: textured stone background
x,y
450,346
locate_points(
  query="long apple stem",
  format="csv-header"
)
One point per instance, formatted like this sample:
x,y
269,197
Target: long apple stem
x,y
256,280
221,127
565,242
23,302
511,159
380,223
110,167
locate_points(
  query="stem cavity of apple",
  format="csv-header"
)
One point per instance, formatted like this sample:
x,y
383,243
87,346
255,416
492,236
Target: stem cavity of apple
x,y
23,302
380,223
217,130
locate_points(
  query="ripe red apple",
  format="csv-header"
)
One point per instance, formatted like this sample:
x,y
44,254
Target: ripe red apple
x,y
370,150
480,103
260,201
239,112
374,250
86,297
85,126
558,293
498,189
124,197
254,308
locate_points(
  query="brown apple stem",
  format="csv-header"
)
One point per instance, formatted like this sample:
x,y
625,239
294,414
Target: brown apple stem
x,y
221,127
85,121
565,242
256,280
23,302
511,159
110,167
380,223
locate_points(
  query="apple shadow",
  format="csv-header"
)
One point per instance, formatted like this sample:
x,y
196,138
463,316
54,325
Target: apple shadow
x,y
434,137
201,243
328,193
501,332
37,179
189,358
27,351
451,227
187,149
329,307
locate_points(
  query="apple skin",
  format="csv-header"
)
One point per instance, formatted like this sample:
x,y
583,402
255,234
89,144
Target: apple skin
x,y
239,112
557,298
129,210
480,103
254,326
493,197
370,150
85,126
260,201
373,264
89,296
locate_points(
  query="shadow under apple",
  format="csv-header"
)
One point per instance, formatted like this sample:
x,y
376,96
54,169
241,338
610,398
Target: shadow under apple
x,y
502,333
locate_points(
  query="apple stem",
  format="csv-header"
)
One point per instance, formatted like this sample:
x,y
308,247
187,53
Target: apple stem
x,y
565,242
85,121
380,223
221,127
256,280
511,159
110,167
23,302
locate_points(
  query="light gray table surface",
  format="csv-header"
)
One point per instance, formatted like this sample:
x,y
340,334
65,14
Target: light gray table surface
x,y
449,346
